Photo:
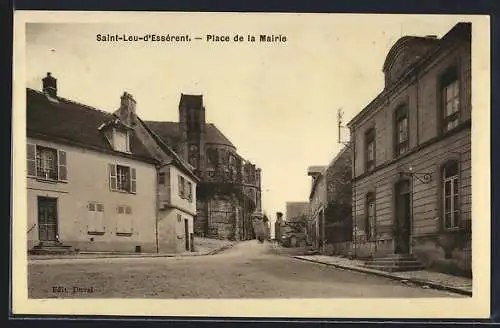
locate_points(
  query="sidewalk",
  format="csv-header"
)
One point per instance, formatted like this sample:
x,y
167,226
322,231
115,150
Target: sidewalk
x,y
96,255
426,279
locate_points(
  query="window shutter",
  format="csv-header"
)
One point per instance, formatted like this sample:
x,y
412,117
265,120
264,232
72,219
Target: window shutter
x,y
62,167
31,157
112,176
179,186
91,218
100,218
133,181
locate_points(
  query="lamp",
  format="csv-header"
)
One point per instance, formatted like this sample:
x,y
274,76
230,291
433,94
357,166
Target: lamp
x,y
423,177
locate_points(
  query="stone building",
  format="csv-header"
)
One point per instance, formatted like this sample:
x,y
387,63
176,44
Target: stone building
x,y
94,180
412,157
229,190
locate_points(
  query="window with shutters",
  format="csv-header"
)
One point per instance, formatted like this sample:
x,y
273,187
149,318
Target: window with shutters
x,y
46,163
181,187
95,218
189,191
122,178
124,222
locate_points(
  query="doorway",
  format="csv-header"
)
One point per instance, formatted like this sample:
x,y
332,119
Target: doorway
x,y
186,233
47,220
403,218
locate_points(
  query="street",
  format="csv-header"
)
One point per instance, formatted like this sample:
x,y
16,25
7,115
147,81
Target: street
x,y
248,270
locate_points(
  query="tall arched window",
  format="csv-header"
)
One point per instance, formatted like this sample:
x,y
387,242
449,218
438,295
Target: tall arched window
x,y
451,195
370,150
370,216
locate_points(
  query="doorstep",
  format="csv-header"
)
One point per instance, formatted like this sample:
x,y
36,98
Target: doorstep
x,y
429,279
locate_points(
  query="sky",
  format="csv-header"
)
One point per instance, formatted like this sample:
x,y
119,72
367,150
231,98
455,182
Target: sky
x,y
276,102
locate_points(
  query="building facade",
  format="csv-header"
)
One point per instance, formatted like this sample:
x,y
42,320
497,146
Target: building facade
x,y
330,225
412,155
338,211
317,206
92,179
229,191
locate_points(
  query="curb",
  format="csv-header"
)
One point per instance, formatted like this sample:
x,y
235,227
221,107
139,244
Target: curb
x,y
418,282
116,256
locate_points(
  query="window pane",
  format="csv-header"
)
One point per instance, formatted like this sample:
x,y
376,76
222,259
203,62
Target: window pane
x,y
448,91
455,186
91,207
447,220
447,188
455,104
447,205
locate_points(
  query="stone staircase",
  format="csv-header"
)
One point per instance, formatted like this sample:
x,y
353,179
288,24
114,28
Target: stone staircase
x,y
395,263
51,249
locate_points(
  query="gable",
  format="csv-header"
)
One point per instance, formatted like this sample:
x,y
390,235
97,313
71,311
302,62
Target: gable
x,y
403,54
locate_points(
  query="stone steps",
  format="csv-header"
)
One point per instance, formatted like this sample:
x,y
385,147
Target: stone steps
x,y
395,263
51,249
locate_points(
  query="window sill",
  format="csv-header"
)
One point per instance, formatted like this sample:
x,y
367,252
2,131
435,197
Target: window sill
x,y
123,191
95,233
51,181
124,234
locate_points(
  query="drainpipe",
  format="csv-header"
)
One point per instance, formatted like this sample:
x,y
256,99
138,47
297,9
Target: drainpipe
x,y
157,210
354,219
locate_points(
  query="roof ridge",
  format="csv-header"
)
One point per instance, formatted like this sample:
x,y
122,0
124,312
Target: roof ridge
x,y
66,100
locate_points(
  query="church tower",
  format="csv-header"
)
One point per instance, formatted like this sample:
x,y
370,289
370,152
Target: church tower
x,y
192,125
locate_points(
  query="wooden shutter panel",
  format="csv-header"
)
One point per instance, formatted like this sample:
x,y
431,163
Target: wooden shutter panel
x,y
133,183
31,157
91,217
61,165
112,176
179,188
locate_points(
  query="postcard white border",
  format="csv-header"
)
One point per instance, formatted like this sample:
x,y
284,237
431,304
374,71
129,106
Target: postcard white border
x,y
477,306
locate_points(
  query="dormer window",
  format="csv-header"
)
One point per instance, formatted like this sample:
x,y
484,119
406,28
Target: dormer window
x,y
118,135
121,141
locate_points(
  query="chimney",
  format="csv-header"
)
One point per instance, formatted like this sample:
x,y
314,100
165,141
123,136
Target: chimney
x,y
126,113
128,102
50,85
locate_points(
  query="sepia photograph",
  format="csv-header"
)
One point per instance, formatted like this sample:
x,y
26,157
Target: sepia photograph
x,y
265,158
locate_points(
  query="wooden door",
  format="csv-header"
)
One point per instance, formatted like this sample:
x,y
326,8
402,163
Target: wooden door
x,y
47,219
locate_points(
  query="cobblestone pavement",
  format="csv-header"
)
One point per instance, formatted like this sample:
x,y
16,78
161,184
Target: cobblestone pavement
x,y
249,269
